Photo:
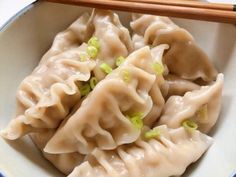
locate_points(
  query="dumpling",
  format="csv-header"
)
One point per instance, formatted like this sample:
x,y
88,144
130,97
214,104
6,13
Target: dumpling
x,y
159,88
202,106
102,120
39,96
184,58
71,38
138,41
115,40
63,162
46,96
167,155
179,86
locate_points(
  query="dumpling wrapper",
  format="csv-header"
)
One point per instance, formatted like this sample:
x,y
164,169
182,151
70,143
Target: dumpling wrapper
x,y
178,108
102,121
114,39
184,58
164,156
143,60
179,86
39,96
63,162
45,97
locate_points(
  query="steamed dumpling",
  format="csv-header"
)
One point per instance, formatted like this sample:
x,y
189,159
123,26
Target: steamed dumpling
x,y
184,58
69,39
179,86
202,106
39,96
102,121
63,162
114,39
46,96
164,156
142,59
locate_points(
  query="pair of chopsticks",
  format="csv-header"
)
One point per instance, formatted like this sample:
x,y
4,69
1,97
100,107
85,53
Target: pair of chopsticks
x,y
225,13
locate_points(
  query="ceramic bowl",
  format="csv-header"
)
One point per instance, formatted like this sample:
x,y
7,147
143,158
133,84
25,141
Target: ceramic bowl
x,y
28,35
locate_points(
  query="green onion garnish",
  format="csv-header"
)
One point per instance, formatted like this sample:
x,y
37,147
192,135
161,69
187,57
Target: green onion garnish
x,y
151,46
137,122
85,89
152,134
93,82
126,76
94,42
83,56
189,125
202,113
138,114
92,51
119,60
158,68
106,68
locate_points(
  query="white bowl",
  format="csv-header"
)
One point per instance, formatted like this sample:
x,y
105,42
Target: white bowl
x,y
29,34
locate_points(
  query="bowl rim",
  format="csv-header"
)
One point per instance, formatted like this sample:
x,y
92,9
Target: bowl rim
x,y
17,14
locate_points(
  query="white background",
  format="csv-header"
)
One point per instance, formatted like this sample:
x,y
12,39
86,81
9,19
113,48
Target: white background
x,y
9,8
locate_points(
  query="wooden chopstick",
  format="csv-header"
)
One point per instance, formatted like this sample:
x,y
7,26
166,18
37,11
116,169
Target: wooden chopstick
x,y
196,4
157,9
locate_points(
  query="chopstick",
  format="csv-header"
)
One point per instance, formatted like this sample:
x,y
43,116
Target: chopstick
x,y
196,13
196,4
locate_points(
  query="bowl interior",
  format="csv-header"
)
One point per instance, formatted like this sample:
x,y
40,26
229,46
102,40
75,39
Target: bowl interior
x,y
29,35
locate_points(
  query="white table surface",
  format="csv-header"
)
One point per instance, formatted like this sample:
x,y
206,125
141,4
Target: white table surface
x,y
9,8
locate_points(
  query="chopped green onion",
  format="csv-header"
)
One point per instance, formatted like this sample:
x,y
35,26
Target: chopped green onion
x,y
119,60
93,41
152,46
189,125
137,122
83,56
202,114
106,68
85,89
93,82
92,51
126,76
138,114
152,134
158,68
